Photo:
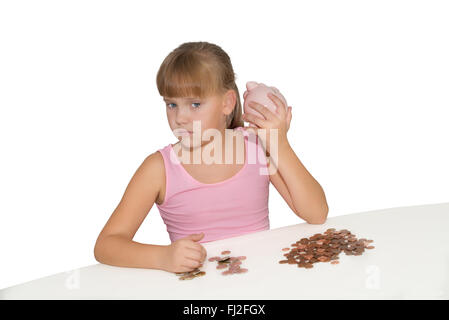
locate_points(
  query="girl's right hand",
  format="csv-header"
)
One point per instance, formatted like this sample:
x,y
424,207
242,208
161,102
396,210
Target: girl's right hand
x,y
185,254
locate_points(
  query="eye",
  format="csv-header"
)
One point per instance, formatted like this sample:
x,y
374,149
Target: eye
x,y
193,103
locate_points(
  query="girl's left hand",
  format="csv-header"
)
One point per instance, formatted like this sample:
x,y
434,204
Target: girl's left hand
x,y
279,120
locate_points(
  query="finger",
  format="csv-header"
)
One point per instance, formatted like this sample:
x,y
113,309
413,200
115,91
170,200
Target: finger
x,y
197,252
204,254
200,250
195,245
194,255
279,104
262,109
190,264
195,263
200,254
248,117
195,249
185,268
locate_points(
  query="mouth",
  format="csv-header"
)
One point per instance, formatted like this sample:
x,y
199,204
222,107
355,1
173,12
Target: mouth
x,y
183,132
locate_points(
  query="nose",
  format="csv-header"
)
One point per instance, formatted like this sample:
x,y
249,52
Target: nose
x,y
182,116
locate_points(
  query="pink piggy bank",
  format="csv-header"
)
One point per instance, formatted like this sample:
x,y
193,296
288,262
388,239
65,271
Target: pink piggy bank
x,y
258,92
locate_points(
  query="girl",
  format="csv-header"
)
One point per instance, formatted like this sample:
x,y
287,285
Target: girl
x,y
201,202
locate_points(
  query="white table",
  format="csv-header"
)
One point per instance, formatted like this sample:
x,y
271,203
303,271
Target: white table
x,y
410,261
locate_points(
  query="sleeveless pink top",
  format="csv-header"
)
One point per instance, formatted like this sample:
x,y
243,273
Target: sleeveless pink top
x,y
229,208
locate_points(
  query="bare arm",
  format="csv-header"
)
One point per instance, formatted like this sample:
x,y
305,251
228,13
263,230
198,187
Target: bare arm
x,y
114,245
119,251
306,194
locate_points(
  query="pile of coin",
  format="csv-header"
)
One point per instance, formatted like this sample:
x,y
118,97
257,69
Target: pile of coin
x,y
232,263
324,248
190,274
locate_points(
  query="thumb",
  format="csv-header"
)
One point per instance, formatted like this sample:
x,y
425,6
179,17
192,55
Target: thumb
x,y
195,236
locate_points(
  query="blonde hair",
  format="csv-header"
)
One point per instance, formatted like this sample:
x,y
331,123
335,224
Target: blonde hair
x,y
199,69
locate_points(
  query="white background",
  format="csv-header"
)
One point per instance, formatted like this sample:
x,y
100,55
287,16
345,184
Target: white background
x,y
80,111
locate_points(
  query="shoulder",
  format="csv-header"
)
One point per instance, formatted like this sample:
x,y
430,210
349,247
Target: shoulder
x,y
154,164
153,160
153,169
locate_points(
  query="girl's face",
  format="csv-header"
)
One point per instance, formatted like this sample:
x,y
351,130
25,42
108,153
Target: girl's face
x,y
210,112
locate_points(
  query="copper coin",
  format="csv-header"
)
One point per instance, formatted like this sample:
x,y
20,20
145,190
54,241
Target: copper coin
x,y
325,247
214,259
226,252
234,270
225,260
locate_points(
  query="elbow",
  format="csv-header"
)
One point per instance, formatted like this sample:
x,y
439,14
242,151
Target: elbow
x,y
316,221
97,254
320,217
98,251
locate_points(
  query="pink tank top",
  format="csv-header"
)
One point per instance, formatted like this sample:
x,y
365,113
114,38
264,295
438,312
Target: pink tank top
x,y
229,208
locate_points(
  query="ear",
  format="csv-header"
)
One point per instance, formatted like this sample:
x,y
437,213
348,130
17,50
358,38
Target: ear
x,y
229,101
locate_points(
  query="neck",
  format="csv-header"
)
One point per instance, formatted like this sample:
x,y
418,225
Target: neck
x,y
190,151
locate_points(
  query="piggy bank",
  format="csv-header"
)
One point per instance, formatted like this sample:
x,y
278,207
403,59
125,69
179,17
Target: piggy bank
x,y
257,92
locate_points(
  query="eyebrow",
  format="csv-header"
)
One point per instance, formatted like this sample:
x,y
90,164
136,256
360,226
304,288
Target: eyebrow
x,y
185,99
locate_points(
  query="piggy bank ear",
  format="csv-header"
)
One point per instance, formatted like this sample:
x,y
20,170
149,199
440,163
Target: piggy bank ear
x,y
251,85
245,94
